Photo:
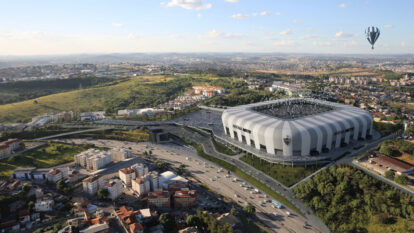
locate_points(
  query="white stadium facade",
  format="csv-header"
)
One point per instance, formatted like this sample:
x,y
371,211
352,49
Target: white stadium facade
x,y
297,126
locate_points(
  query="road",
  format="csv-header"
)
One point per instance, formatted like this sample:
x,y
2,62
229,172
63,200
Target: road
x,y
209,148
225,186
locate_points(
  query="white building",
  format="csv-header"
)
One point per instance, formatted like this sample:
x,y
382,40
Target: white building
x,y
54,175
92,184
154,180
141,186
93,159
114,188
127,175
44,205
169,177
140,169
120,154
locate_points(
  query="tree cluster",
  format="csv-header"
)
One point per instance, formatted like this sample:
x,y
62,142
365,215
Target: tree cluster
x,y
347,199
209,224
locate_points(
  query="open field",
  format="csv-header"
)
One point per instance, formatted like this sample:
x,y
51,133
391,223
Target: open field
x,y
286,175
136,92
18,91
46,156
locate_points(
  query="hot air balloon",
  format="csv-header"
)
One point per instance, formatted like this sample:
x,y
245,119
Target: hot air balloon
x,y
372,34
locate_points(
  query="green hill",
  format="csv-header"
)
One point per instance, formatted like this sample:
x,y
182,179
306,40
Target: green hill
x,y
135,92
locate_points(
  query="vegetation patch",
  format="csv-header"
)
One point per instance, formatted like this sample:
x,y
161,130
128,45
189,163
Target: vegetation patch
x,y
285,174
349,200
35,132
134,135
137,92
386,128
49,155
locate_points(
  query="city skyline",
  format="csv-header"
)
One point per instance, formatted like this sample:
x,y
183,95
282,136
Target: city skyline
x,y
335,27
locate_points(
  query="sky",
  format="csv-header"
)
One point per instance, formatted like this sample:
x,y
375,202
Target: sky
x,y
45,27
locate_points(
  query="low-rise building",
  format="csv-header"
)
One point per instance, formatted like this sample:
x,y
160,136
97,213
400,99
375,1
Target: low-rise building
x,y
42,205
54,175
10,146
159,199
114,188
92,184
384,163
185,198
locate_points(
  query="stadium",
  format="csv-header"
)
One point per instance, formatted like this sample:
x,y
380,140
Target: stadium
x,y
297,127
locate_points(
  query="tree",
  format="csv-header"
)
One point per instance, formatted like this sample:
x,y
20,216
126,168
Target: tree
x,y
193,221
30,205
390,174
233,211
103,194
403,179
249,209
167,220
60,185
181,169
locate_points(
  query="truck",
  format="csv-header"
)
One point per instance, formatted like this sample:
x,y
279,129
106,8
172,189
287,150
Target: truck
x,y
277,204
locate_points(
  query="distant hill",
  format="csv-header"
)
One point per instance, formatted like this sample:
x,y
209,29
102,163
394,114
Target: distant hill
x,y
136,92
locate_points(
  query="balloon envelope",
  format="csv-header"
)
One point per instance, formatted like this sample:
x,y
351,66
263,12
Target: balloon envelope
x,y
372,34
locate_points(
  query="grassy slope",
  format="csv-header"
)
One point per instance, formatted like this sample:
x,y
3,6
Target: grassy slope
x,y
91,99
46,156
287,175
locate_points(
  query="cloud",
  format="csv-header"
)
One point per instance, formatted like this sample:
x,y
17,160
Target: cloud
x,y
232,1
278,13
264,13
255,14
240,16
343,5
321,43
388,26
310,36
344,35
215,34
189,4
199,15
286,32
118,25
403,44
284,43
295,21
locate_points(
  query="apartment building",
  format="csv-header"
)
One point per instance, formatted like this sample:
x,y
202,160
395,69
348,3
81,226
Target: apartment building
x,y
114,188
92,184
120,154
185,198
127,175
93,159
159,199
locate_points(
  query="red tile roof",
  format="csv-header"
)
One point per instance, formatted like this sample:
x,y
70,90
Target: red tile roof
x,y
135,227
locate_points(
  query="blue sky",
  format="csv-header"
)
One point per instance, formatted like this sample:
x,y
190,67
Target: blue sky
x,y
300,26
